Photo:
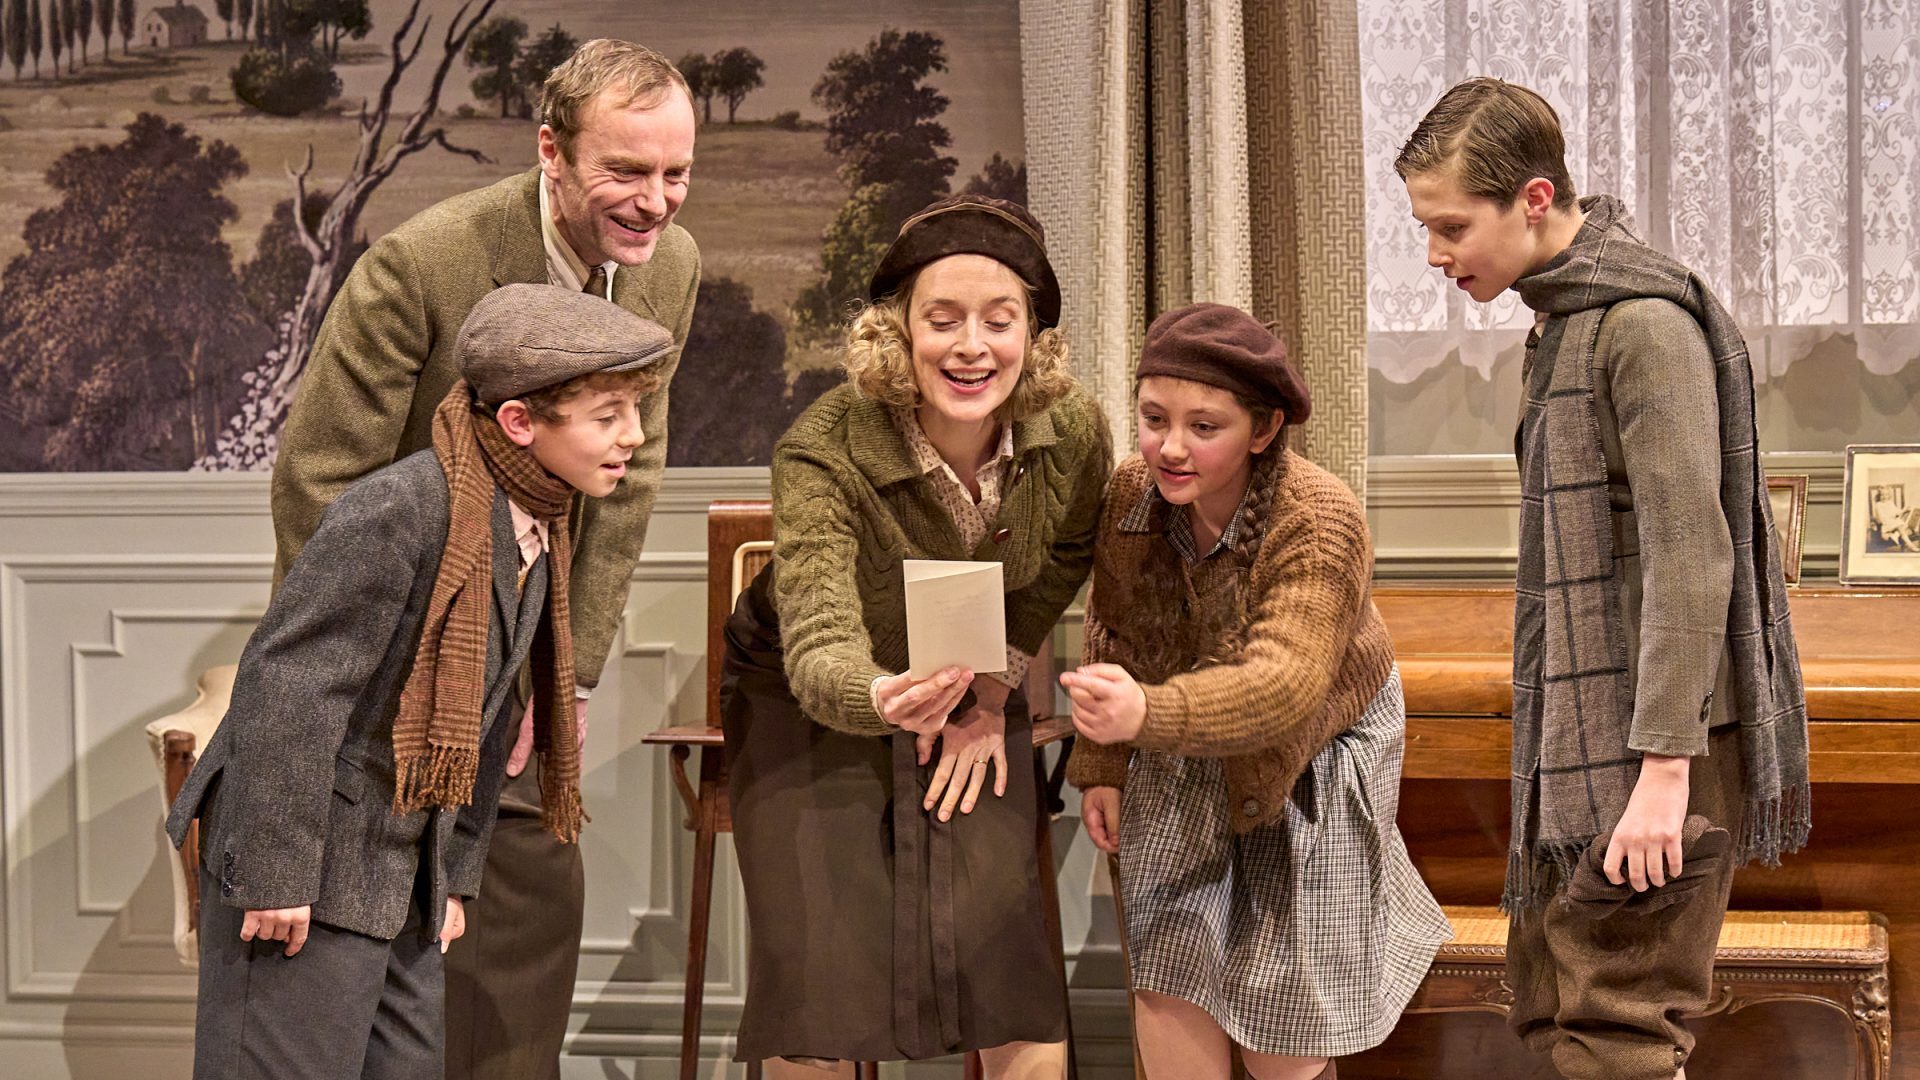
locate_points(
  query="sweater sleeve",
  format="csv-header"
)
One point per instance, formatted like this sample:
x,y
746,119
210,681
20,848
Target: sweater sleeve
x,y
1662,383
1033,610
1311,583
1092,765
829,657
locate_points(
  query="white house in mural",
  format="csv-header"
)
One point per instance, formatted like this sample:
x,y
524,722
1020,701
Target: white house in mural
x,y
173,27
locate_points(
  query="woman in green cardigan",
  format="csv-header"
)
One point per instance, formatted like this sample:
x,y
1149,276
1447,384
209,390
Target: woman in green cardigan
x,y
875,863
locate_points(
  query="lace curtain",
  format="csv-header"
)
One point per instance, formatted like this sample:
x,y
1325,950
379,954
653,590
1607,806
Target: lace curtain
x,y
1771,145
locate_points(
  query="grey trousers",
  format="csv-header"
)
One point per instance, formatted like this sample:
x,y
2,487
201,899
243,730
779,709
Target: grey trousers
x,y
510,979
346,1007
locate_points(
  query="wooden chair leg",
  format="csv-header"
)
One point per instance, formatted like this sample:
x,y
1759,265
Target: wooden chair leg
x,y
972,1068
1126,965
1050,896
697,920
868,1070
753,1070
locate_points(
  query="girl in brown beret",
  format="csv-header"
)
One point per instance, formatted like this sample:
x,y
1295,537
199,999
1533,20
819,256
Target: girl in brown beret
x,y
1243,726
891,889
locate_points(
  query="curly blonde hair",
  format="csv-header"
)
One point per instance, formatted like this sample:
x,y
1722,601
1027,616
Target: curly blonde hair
x,y
879,359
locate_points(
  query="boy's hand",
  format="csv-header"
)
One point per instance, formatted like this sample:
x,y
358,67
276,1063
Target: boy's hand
x,y
920,705
1100,813
523,742
288,924
455,924
1647,839
1108,706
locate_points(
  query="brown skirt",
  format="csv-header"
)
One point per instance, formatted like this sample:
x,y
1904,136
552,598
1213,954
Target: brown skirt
x,y
878,933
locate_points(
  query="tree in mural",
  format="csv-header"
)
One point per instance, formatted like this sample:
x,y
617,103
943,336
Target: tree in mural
x,y
883,125
56,40
494,50
332,20
271,282
115,321
68,36
34,29
698,71
736,73
126,26
537,61
83,28
249,439
1000,179
15,15
103,15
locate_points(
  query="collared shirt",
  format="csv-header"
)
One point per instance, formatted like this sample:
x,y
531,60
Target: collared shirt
x,y
531,533
972,520
564,267
1180,530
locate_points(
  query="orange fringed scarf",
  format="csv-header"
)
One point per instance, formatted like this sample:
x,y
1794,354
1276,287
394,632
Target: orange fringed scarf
x,y
436,736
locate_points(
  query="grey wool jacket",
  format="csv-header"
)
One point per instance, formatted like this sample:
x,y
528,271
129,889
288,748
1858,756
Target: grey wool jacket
x,y
294,791
1673,555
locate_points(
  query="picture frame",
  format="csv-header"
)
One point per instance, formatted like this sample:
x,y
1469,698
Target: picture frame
x,y
1788,495
1880,515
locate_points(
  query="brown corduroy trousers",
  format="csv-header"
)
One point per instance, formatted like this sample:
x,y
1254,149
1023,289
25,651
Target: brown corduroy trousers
x,y
1607,998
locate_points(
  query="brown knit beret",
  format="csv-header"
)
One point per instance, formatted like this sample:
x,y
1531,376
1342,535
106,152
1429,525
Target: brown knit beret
x,y
973,225
1223,346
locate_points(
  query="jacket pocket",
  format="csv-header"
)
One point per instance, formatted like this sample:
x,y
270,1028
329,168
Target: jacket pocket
x,y
348,779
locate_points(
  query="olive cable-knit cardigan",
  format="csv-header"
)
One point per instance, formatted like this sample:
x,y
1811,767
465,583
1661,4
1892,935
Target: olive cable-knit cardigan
x,y
1313,657
850,503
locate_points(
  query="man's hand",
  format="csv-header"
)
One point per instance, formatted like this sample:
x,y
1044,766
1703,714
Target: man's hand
x,y
920,705
1647,840
1100,813
523,743
288,924
455,924
1108,706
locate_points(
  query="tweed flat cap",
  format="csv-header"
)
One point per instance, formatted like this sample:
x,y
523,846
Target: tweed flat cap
x,y
522,338
1225,347
973,225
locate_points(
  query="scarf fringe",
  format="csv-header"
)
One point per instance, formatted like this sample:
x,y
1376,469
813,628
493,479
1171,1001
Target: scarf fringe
x,y
1776,826
561,812
1534,877
442,777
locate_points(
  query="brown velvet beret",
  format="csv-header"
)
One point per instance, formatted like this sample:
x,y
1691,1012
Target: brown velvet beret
x,y
522,338
973,225
1223,346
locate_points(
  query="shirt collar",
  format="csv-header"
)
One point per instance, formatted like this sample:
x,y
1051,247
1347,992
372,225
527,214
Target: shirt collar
x,y
926,458
564,266
1178,530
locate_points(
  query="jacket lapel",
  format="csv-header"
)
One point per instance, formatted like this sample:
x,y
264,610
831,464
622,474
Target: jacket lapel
x,y
506,571
519,253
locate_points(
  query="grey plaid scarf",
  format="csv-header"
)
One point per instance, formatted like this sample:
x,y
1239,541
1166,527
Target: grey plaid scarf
x,y
1572,700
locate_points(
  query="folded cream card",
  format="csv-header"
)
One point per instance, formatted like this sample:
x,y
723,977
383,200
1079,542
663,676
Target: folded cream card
x,y
956,614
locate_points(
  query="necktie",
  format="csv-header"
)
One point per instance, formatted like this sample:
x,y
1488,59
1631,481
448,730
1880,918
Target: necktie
x,y
596,282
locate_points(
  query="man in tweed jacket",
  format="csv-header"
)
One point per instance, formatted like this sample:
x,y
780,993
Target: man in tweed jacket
x,y
303,838
616,147
1659,722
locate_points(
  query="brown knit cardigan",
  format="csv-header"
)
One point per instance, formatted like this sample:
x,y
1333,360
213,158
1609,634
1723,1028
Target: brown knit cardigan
x,y
1313,657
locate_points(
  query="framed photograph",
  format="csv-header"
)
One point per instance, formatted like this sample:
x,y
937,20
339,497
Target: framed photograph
x,y
1880,522
1788,494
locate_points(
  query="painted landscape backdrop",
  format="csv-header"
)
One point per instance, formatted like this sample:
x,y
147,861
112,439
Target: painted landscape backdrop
x,y
158,295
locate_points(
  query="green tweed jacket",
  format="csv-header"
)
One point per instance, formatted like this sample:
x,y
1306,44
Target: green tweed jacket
x,y
849,504
383,359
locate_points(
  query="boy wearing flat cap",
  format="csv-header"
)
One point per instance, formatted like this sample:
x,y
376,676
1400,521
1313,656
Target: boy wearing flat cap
x,y
347,798
1244,726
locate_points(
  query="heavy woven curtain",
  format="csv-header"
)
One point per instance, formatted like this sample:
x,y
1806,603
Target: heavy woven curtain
x,y
1771,145
1184,150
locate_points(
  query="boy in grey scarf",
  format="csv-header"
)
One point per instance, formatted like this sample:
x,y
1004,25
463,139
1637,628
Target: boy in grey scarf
x,y
1659,734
